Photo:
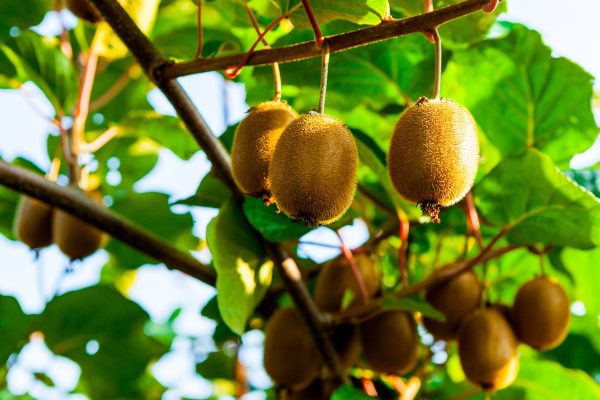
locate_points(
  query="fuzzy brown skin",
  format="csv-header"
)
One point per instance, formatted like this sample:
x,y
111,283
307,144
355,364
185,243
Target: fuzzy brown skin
x,y
434,153
487,347
290,355
85,10
455,298
390,342
336,277
313,175
541,313
75,238
33,223
345,339
254,144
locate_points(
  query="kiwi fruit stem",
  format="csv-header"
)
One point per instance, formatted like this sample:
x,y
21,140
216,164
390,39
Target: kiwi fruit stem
x,y
437,81
324,74
360,282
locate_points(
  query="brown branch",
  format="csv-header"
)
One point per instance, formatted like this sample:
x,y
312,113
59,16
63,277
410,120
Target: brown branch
x,y
344,41
153,63
119,228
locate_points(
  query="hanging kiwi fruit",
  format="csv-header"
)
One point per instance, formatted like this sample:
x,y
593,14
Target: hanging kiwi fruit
x,y
390,342
33,222
541,313
253,146
335,279
290,356
85,10
455,298
434,151
487,348
75,238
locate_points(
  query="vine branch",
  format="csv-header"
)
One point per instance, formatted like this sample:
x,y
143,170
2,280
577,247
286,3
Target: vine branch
x,y
115,225
361,37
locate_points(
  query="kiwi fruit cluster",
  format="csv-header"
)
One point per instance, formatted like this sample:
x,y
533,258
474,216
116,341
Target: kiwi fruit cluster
x,y
305,164
38,225
434,154
85,10
488,337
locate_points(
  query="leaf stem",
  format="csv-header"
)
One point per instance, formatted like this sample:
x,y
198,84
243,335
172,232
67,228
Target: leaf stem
x,y
319,39
198,53
116,88
358,278
404,230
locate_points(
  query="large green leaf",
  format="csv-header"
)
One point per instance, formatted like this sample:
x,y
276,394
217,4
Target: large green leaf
x,y
15,327
546,380
104,333
21,14
523,97
165,130
151,211
347,392
212,192
39,59
274,226
242,273
539,204
364,12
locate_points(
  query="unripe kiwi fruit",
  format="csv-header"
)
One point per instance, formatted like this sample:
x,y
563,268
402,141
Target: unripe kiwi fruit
x,y
487,347
541,313
85,10
33,223
434,154
455,298
290,355
313,174
254,143
75,238
390,342
336,278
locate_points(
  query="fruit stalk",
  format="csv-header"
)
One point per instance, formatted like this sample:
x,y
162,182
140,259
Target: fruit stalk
x,y
437,82
319,39
324,74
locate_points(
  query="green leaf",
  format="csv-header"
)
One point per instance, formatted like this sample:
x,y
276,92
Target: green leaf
x,y
39,59
546,380
151,211
217,365
538,204
364,12
21,14
104,333
412,304
275,227
242,273
15,327
347,392
212,193
523,97
164,130
222,332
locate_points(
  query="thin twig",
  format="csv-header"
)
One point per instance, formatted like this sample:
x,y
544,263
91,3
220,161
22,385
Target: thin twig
x,y
116,88
319,39
100,141
200,39
358,278
402,262
275,66
341,42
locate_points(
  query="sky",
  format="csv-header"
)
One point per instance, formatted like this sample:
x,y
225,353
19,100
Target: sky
x,y
570,28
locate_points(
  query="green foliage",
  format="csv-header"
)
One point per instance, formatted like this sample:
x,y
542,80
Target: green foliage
x,y
534,113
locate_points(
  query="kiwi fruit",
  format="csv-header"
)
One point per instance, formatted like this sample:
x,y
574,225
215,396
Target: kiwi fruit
x,y
33,223
75,238
254,143
85,10
390,342
434,154
317,390
541,313
336,278
346,341
313,174
455,298
291,357
487,348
